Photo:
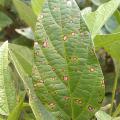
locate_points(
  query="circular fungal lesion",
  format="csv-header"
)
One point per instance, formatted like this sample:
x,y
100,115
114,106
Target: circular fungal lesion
x,y
102,83
65,78
52,105
90,108
66,97
53,78
45,44
91,69
39,83
36,53
74,59
65,38
53,69
73,33
78,101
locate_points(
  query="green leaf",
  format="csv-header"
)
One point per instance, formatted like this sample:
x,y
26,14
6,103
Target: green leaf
x,y
38,109
116,118
22,54
15,114
27,32
67,76
25,13
2,2
111,43
99,2
101,115
95,20
7,95
22,41
4,20
112,24
37,6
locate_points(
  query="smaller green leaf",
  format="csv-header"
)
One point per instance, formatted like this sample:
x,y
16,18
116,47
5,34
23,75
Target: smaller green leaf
x,y
14,115
111,43
25,13
7,93
101,115
4,20
95,20
37,6
112,24
22,54
27,32
39,110
99,2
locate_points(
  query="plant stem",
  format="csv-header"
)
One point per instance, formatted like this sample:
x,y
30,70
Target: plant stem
x,y
114,90
117,111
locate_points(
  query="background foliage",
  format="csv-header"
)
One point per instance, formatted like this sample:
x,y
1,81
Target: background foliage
x,y
17,26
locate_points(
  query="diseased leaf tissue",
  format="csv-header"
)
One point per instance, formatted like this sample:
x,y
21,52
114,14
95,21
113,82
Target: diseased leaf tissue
x,y
67,76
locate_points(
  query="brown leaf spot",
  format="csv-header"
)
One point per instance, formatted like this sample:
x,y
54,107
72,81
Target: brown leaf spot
x,y
36,53
90,108
65,78
53,69
52,105
66,97
45,44
78,101
73,33
102,83
92,69
53,78
74,59
65,38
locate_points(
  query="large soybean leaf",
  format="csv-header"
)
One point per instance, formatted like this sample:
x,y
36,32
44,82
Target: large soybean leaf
x,y
111,43
39,110
37,6
67,76
7,95
95,20
26,13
